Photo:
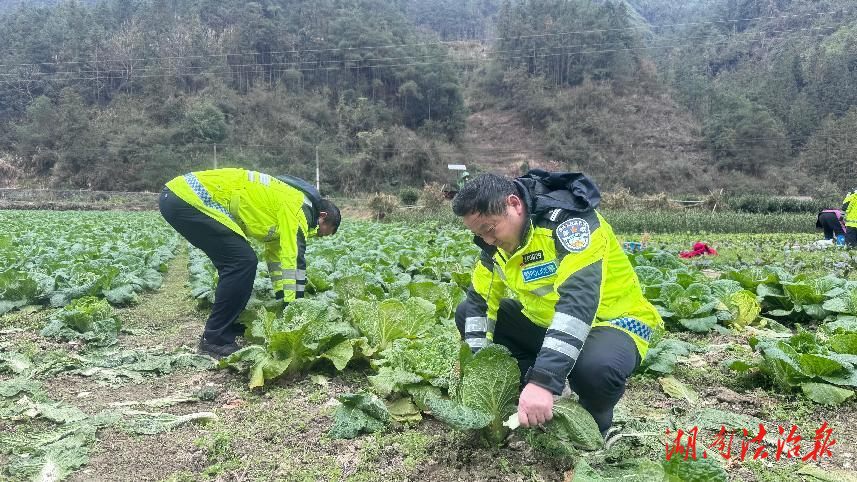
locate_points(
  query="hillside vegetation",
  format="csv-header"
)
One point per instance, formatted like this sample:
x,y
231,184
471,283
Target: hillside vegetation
x,y
741,95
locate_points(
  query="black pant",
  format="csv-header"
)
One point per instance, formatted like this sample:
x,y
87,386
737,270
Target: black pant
x,y
830,224
608,358
231,254
851,237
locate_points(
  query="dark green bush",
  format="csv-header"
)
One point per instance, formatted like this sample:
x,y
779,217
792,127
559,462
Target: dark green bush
x,y
409,196
772,205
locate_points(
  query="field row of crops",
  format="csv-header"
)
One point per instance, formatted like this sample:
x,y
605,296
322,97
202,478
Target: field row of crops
x,y
51,258
380,302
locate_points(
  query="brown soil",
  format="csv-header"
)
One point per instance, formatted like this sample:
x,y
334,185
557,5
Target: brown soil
x,y
499,141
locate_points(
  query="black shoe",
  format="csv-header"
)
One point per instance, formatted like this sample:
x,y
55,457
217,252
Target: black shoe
x,y
216,351
239,340
611,436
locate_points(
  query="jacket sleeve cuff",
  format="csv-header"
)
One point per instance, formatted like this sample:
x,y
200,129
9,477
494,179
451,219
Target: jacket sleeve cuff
x,y
549,381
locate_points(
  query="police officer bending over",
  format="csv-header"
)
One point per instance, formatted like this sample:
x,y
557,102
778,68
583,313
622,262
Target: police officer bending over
x,y
218,210
579,312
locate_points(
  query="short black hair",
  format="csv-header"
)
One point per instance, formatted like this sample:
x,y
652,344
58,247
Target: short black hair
x,y
334,217
485,194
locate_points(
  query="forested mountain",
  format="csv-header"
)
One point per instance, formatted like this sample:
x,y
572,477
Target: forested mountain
x,y
454,19
8,5
123,94
653,95
775,85
744,95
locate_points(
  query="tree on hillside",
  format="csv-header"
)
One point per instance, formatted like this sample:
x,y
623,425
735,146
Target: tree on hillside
x,y
454,19
835,75
567,41
204,123
744,136
831,153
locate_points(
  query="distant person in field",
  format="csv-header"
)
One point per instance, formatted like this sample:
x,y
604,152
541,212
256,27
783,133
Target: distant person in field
x,y
832,222
849,207
579,313
218,210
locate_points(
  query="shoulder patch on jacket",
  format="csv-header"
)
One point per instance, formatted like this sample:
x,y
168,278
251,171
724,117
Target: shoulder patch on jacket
x,y
574,234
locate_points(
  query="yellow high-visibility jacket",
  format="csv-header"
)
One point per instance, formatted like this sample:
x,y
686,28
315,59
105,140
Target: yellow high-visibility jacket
x,y
570,274
849,207
259,206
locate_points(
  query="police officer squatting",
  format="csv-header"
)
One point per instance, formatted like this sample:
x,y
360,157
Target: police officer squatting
x,y
577,312
218,210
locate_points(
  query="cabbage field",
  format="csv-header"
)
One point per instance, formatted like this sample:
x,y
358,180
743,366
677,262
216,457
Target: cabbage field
x,y
366,379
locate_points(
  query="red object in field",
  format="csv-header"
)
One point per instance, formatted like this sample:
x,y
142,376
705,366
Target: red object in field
x,y
699,249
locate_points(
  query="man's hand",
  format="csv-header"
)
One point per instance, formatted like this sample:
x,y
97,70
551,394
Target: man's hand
x,y
535,405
